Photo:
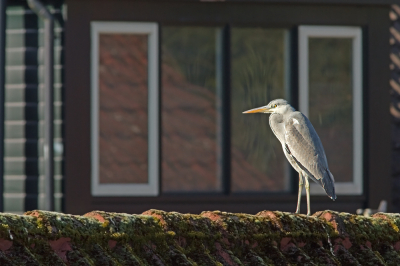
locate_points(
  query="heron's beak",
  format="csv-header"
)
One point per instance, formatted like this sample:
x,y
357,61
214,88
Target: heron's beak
x,y
263,109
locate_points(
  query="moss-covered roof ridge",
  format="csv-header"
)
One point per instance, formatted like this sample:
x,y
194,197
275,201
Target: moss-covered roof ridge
x,y
210,238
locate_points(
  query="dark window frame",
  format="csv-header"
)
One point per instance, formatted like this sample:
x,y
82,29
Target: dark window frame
x,y
375,24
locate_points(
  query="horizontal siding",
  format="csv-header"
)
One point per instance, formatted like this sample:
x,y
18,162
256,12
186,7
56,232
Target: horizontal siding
x,y
24,111
28,148
29,111
26,130
31,56
30,74
18,184
30,93
29,166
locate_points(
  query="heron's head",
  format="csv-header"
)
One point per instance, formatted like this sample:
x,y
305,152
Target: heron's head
x,y
275,106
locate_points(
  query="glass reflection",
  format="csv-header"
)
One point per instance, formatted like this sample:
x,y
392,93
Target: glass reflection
x,y
189,148
258,76
123,108
331,101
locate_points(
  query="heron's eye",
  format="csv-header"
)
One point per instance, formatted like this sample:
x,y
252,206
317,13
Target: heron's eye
x,y
275,106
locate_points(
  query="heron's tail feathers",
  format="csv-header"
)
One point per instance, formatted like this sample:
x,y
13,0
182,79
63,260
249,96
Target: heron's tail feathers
x,y
328,183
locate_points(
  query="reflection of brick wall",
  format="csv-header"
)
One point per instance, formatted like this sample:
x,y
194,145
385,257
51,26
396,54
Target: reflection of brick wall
x,y
211,238
395,97
123,108
338,144
189,148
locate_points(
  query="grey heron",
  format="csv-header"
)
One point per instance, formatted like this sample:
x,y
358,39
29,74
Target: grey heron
x,y
301,146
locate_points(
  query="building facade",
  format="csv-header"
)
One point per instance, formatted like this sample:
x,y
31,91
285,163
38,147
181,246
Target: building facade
x,y
150,106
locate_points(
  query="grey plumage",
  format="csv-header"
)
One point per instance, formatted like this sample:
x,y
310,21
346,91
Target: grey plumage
x,y
301,146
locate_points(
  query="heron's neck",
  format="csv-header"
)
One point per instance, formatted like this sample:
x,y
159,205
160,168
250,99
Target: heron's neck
x,y
286,109
276,124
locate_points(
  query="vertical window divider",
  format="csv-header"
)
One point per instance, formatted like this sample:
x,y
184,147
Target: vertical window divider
x,y
223,109
159,103
289,172
294,90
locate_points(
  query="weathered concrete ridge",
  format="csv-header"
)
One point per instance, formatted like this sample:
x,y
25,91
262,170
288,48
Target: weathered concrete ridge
x,y
211,238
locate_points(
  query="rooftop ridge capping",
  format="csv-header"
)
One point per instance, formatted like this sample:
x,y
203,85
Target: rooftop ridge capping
x,y
211,238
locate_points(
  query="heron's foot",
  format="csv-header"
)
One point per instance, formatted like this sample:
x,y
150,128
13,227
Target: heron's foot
x,y
308,214
297,212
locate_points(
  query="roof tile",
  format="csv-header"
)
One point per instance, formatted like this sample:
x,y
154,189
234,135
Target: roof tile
x,y
211,238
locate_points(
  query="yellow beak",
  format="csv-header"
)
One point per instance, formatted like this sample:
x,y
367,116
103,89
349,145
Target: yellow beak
x,y
263,109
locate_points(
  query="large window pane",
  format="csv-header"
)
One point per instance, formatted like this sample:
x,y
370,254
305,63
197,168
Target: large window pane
x,y
331,101
123,108
189,148
258,76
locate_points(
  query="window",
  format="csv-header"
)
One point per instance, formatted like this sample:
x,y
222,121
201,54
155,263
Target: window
x,y
189,109
259,59
124,109
191,114
330,73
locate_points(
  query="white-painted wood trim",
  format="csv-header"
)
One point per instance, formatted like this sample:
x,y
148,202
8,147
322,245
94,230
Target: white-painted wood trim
x,y
355,33
152,187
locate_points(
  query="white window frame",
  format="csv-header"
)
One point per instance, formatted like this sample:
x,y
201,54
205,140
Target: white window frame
x,y
152,187
305,32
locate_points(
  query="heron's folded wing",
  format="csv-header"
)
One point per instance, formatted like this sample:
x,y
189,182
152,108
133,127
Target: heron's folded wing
x,y
305,145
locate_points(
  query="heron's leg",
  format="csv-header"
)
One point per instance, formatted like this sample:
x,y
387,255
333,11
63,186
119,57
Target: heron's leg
x,y
308,195
299,195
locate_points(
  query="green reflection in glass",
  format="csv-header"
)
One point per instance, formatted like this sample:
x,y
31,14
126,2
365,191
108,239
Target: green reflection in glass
x,y
330,101
189,144
258,76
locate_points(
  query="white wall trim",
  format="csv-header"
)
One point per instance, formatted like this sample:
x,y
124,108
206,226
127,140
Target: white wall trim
x,y
152,187
305,32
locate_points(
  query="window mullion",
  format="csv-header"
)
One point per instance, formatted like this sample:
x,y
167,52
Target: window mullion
x,y
223,108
